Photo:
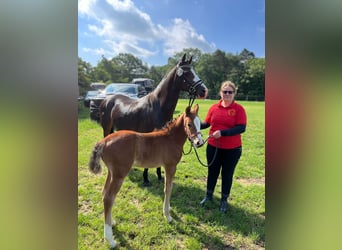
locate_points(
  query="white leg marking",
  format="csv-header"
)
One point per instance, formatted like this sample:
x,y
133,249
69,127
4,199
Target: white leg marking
x,y
108,234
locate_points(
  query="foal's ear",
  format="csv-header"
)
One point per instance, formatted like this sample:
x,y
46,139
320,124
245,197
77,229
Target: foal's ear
x,y
195,109
188,110
190,60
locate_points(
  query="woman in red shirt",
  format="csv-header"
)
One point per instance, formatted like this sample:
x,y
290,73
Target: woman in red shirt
x,y
227,120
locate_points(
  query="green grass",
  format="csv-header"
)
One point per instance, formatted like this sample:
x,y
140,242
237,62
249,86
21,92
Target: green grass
x,y
138,209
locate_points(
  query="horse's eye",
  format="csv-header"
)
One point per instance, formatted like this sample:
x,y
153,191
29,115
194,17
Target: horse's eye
x,y
189,125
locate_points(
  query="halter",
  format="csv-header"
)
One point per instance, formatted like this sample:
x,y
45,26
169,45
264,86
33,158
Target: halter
x,y
192,85
190,135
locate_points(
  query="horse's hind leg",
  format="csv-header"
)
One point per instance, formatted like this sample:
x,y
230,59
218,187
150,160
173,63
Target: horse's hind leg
x,y
160,178
106,124
147,183
145,176
109,196
106,185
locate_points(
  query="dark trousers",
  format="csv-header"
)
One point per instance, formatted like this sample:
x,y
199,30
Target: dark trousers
x,y
225,162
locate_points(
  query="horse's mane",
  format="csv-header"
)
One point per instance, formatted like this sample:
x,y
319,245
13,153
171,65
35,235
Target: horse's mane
x,y
168,73
168,125
171,71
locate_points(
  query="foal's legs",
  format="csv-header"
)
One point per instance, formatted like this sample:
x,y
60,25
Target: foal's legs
x,y
109,195
169,174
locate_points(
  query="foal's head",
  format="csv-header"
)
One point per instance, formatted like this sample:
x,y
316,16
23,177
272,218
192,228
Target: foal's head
x,y
189,79
192,126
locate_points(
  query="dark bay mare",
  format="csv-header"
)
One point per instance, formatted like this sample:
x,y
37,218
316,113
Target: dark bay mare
x,y
161,147
154,110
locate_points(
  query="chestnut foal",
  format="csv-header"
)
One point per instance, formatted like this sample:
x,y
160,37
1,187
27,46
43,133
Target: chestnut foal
x,y
124,148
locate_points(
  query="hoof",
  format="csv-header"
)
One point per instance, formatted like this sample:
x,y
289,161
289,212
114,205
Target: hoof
x,y
112,244
147,184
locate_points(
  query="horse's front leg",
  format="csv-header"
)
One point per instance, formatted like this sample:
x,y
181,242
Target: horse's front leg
x,y
169,174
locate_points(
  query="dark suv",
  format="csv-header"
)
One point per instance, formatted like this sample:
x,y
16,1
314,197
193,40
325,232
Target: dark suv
x,y
145,82
129,89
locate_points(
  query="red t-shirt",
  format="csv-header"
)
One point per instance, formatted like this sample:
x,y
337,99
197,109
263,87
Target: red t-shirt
x,y
221,118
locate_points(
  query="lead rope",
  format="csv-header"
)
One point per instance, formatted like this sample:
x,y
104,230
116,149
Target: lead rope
x,y
199,160
192,92
191,100
189,150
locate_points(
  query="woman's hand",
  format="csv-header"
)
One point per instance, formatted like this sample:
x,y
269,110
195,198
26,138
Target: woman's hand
x,y
216,134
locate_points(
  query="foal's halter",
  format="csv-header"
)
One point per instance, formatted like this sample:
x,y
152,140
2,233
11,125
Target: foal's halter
x,y
192,136
191,84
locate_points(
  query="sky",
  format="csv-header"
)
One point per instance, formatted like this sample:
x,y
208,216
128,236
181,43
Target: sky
x,y
154,30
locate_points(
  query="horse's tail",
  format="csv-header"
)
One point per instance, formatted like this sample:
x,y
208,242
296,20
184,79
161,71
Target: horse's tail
x,y
94,162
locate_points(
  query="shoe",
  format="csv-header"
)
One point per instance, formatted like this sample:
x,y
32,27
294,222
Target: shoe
x,y
223,206
205,200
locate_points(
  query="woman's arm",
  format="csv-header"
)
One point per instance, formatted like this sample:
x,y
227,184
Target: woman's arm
x,y
238,129
204,125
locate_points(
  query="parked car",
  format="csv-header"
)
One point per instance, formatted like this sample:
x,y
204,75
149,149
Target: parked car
x,y
97,85
90,95
129,89
145,82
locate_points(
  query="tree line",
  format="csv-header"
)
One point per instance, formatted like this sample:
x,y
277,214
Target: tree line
x,y
244,69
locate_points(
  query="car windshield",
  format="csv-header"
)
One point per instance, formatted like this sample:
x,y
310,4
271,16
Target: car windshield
x,y
115,88
92,93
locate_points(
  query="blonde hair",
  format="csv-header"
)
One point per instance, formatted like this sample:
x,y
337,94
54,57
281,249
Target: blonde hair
x,y
229,84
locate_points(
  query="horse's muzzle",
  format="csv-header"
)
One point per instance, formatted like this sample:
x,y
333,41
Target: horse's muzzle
x,y
197,142
202,92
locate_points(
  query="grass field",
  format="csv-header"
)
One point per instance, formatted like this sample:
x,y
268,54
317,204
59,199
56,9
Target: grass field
x,y
138,209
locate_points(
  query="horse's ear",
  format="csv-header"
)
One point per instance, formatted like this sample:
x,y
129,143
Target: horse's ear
x,y
183,58
190,60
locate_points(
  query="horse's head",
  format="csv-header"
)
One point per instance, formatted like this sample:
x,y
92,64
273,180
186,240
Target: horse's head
x,y
192,126
190,82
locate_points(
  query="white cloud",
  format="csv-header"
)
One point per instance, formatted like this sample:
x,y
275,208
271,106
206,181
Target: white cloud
x,y
85,6
124,47
126,29
182,35
99,52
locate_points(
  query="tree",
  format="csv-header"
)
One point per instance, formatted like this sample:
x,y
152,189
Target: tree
x,y
157,73
194,52
246,71
246,55
103,71
213,70
130,66
252,85
85,76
